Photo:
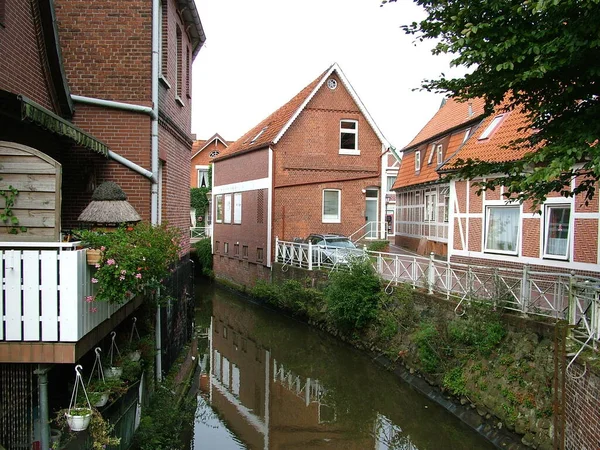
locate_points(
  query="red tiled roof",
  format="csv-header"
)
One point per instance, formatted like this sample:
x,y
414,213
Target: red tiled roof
x,y
493,148
273,124
407,176
451,114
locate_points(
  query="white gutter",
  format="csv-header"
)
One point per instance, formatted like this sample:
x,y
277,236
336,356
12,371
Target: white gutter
x,y
133,166
155,220
112,104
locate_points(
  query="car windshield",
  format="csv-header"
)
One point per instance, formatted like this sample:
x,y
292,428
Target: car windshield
x,y
340,242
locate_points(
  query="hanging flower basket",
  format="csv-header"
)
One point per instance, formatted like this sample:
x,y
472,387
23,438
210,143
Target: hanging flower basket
x,y
78,419
99,399
93,256
113,372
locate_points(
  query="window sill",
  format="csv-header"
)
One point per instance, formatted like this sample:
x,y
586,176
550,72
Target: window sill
x,y
556,257
500,252
349,152
331,221
179,101
164,81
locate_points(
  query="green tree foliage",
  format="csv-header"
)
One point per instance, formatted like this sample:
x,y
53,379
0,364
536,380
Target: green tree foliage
x,y
204,253
198,200
541,54
353,295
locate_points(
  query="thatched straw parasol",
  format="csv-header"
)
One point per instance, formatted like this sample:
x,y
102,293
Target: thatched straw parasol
x,y
109,206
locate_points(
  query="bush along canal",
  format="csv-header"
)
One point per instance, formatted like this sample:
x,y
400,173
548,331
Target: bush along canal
x,y
270,381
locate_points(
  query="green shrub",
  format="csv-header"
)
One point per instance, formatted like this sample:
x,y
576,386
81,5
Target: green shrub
x,y
268,292
204,253
480,328
454,381
353,295
378,246
291,296
198,200
427,339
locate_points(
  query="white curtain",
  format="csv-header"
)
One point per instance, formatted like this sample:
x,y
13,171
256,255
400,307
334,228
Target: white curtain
x,y
502,231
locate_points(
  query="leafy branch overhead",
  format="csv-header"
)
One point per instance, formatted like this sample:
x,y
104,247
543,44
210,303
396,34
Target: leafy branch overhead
x,y
541,55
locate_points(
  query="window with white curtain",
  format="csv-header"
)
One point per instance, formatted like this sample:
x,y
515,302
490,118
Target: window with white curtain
x,y
556,231
219,208
430,206
331,206
502,229
237,208
227,208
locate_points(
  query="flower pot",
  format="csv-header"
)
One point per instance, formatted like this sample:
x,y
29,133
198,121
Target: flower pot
x,y
93,256
101,398
79,418
55,436
113,372
134,356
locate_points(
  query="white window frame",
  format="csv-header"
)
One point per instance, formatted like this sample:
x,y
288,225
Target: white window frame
x,y
417,160
332,218
440,153
430,207
446,208
355,150
547,208
218,217
488,209
237,208
227,208
431,154
202,170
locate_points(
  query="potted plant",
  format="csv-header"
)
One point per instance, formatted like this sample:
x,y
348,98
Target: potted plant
x,y
78,419
133,259
100,391
99,430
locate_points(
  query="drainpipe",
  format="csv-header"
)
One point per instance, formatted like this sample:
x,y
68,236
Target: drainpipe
x,y
112,104
42,373
155,220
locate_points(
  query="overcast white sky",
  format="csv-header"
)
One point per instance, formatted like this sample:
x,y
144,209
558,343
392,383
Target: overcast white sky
x,y
260,53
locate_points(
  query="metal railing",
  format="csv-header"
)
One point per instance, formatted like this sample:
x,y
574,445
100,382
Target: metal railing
x,y
535,293
200,232
370,230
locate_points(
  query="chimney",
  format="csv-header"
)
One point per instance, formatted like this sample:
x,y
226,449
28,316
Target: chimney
x,y
470,109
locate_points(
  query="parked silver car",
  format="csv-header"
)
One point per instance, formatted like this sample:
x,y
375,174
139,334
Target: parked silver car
x,y
333,249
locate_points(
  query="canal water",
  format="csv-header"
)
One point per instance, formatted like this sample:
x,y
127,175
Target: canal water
x,y
270,382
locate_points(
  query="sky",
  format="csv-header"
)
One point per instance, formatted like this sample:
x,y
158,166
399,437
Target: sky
x,y
260,53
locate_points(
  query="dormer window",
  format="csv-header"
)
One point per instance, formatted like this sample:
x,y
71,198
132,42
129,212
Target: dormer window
x,y
431,154
440,154
491,127
349,137
417,160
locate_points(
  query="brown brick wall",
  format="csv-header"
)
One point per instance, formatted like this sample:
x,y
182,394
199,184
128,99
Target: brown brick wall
x,y
475,201
582,411
531,237
586,240
249,166
252,232
20,67
461,196
475,232
243,273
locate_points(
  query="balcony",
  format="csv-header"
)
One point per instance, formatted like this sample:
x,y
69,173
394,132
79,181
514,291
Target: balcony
x,y
43,308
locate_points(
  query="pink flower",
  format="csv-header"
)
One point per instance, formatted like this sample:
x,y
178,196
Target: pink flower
x,y
97,266
110,262
94,280
94,309
138,275
89,299
123,272
102,248
122,277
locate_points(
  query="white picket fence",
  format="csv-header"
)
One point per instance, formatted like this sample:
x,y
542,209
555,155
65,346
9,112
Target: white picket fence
x,y
558,295
44,290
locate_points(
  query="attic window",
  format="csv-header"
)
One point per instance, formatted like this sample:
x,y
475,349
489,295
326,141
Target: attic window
x,y
258,135
214,154
440,154
431,154
491,127
467,134
349,137
417,160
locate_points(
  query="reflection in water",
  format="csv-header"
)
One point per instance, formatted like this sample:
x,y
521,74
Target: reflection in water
x,y
274,383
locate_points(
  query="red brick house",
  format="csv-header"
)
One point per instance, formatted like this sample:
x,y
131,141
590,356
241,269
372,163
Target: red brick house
x,y
203,152
487,230
316,165
82,101
422,198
